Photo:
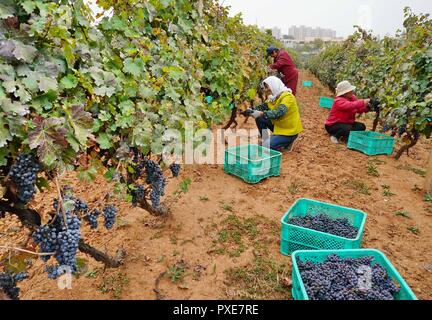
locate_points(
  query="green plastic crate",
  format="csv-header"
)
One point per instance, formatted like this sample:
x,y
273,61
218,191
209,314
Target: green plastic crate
x,y
208,99
252,163
299,290
295,238
307,84
326,103
371,143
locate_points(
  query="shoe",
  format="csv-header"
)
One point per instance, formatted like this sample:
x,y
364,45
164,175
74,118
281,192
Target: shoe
x,y
334,140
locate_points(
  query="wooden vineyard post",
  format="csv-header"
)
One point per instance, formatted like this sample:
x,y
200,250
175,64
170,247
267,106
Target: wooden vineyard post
x,y
428,183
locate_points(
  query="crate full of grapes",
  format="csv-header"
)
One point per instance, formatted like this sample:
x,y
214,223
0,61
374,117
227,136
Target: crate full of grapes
x,y
314,225
252,163
360,274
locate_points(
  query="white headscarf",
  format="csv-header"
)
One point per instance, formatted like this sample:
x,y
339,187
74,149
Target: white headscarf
x,y
277,87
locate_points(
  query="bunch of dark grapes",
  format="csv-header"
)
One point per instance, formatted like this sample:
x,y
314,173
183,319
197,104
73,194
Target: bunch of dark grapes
x,y
175,169
154,177
138,194
158,190
110,213
340,279
152,170
386,128
24,174
61,238
401,130
80,206
8,282
323,223
92,217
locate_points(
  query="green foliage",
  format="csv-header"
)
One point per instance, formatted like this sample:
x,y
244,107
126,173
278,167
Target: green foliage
x,y
69,84
397,71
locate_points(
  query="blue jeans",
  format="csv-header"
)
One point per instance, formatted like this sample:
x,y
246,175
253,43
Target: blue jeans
x,y
276,142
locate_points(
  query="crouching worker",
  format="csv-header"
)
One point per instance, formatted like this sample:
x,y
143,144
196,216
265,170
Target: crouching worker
x,y
280,114
342,118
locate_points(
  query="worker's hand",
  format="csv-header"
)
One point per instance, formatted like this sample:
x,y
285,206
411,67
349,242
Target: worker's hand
x,y
367,102
248,112
257,114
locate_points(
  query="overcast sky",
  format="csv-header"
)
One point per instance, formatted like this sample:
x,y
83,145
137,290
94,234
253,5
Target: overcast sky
x,y
383,16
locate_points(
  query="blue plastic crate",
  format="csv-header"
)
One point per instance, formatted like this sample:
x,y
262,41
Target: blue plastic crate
x,y
299,290
307,84
295,238
326,103
252,163
371,143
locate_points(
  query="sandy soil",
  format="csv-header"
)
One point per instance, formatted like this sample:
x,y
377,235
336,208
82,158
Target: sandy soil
x,y
222,239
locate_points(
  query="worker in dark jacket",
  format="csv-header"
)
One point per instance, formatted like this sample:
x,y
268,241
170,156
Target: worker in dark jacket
x,y
284,64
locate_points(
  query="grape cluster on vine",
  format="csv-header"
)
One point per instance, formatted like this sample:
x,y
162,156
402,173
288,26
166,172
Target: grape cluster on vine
x,y
347,279
138,194
60,238
155,177
339,227
175,169
92,217
24,174
8,282
110,214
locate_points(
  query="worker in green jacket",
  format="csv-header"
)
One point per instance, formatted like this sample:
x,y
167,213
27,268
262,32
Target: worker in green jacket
x,y
280,114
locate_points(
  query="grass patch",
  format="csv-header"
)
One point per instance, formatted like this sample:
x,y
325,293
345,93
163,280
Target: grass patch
x,y
358,186
387,192
227,207
114,284
403,214
236,234
414,230
295,188
183,187
258,281
204,199
176,272
408,167
372,169
427,197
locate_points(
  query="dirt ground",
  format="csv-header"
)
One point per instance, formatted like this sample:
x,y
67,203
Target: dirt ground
x,y
222,238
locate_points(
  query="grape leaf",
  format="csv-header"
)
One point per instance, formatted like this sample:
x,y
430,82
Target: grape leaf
x,y
23,94
46,84
5,136
31,81
24,52
6,11
49,138
6,49
104,141
69,81
29,6
133,66
82,123
15,107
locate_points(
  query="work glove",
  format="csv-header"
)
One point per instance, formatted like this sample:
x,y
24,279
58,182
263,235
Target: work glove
x,y
248,112
257,114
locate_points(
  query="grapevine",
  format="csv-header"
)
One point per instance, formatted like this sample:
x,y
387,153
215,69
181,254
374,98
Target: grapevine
x,y
397,71
74,89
